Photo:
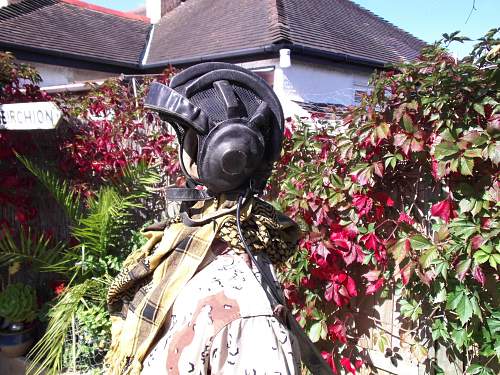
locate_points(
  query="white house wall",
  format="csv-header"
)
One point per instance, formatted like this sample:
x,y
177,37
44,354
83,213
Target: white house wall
x,y
311,82
54,75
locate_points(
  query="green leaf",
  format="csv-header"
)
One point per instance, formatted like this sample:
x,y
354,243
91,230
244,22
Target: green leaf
x,y
466,166
410,309
428,256
408,123
475,307
462,305
494,322
445,149
481,140
382,130
466,205
473,153
439,330
440,296
459,336
324,330
479,108
463,267
315,331
483,254
419,242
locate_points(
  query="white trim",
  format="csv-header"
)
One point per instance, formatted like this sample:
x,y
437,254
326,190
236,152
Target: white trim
x,y
70,87
148,46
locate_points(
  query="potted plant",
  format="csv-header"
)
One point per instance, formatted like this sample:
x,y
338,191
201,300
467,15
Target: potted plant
x,y
18,308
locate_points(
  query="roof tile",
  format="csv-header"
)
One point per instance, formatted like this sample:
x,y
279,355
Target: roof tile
x,y
73,30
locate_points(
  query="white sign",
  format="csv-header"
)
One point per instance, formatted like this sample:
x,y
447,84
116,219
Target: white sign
x,y
29,116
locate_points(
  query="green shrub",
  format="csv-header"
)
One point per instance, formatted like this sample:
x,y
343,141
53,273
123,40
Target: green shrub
x,y
18,303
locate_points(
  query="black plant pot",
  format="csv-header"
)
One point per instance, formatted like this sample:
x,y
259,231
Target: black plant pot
x,y
16,340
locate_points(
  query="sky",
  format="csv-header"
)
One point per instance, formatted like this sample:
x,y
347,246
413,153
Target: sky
x,y
426,19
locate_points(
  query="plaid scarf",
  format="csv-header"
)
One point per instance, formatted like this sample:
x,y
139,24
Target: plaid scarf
x,y
141,296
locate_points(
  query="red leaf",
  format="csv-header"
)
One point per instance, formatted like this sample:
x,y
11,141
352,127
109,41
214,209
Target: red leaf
x,y
378,168
363,204
406,272
372,275
443,209
374,287
476,241
404,218
371,241
348,366
478,274
337,331
329,359
384,198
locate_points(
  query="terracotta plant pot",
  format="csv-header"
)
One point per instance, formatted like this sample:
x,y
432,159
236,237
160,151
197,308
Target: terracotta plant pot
x,y
15,343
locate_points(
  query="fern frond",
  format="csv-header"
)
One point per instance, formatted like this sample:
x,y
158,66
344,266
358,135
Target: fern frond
x,y
66,197
39,251
108,216
137,179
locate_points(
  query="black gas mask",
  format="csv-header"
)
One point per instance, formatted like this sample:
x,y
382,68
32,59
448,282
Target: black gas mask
x,y
229,123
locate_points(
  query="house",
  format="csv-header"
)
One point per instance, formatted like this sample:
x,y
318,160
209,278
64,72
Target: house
x,y
315,53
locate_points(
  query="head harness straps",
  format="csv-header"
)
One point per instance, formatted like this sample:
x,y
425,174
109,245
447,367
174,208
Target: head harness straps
x,y
236,119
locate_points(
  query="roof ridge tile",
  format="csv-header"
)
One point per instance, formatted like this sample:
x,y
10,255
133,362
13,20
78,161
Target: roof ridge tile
x,y
279,23
113,12
380,18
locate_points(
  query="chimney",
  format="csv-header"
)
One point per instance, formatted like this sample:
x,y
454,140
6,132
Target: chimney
x,y
4,3
168,5
153,10
156,9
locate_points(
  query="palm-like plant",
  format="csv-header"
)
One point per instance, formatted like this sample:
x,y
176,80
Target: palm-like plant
x,y
102,228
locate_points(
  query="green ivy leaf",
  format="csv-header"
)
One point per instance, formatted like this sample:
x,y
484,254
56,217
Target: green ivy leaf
x,y
459,302
466,166
445,149
419,242
315,331
459,336
475,369
408,123
479,108
439,330
428,256
466,205
410,309
483,254
473,153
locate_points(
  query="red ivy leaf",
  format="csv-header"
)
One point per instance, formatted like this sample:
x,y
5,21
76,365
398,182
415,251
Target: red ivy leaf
x,y
329,359
337,331
374,287
443,209
476,241
478,274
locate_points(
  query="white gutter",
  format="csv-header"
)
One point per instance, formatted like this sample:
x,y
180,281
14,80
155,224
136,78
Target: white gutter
x,y
70,87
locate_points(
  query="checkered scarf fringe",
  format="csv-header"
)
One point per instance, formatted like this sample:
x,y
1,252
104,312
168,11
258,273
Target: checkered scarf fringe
x,y
141,295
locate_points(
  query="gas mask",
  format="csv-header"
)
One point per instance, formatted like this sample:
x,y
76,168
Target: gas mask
x,y
229,124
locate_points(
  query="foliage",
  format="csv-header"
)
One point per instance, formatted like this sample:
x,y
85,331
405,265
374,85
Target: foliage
x,y
111,131
18,83
48,352
86,347
18,303
102,241
39,251
402,198
110,155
